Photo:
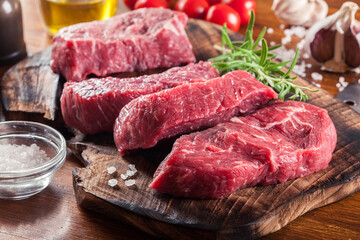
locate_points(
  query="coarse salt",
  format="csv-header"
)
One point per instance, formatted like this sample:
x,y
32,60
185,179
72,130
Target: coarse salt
x,y
112,171
17,157
316,76
130,173
130,182
282,26
270,30
124,176
113,183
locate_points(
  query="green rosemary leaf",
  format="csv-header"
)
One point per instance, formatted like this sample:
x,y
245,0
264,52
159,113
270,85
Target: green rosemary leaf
x,y
242,55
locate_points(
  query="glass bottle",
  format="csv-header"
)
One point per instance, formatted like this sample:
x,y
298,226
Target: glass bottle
x,y
12,45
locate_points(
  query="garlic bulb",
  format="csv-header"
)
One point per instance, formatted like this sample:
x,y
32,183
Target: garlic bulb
x,y
335,41
300,12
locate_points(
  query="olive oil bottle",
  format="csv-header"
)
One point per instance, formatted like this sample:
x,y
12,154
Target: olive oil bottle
x,y
61,13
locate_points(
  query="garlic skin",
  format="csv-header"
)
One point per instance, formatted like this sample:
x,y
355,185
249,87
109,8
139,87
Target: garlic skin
x,y
334,42
300,12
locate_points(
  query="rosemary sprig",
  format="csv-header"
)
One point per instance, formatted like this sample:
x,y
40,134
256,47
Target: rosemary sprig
x,y
259,62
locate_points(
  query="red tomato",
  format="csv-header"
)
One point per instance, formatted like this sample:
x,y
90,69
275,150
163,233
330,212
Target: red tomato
x,y
151,3
243,7
130,3
212,2
194,9
221,13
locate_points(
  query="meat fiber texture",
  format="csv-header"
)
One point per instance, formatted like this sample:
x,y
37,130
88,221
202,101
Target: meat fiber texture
x,y
283,141
92,106
186,108
143,39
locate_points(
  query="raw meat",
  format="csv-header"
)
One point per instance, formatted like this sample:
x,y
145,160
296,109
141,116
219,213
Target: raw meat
x,y
189,107
93,105
143,39
283,141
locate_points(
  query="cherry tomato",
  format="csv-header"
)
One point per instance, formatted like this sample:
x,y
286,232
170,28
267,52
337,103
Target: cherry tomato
x,y
130,3
243,7
151,3
212,2
221,13
194,9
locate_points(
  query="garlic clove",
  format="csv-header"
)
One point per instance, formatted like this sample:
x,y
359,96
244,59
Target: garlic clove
x,y
300,12
335,41
322,46
352,44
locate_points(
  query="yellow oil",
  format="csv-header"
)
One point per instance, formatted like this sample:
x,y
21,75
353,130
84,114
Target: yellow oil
x,y
61,13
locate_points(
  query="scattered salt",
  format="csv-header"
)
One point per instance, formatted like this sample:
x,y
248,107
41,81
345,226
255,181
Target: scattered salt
x,y
317,85
16,157
113,183
308,65
272,43
286,40
342,84
124,176
130,173
270,30
299,69
316,76
112,171
306,56
132,167
130,182
359,80
282,26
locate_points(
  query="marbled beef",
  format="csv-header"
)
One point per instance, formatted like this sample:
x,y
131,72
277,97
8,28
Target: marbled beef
x,y
92,106
189,107
283,141
147,38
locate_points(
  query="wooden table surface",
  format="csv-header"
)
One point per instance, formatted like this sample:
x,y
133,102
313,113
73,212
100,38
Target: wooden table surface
x,y
54,214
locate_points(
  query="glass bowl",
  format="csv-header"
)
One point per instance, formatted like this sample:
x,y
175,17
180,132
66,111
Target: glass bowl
x,y
20,180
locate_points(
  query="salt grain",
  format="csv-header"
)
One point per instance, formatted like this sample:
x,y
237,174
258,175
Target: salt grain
x,y
113,183
270,30
132,167
16,157
316,76
282,26
130,173
272,43
112,171
130,182
124,176
306,56
359,80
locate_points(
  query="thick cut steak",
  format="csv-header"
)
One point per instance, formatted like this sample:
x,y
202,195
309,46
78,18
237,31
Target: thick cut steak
x,y
283,141
143,39
92,106
189,107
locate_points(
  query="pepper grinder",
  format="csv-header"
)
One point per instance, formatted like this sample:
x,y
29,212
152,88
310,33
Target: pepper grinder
x,y
12,45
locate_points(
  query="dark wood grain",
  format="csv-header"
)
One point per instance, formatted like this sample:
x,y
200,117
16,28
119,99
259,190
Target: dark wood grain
x,y
31,86
54,214
248,213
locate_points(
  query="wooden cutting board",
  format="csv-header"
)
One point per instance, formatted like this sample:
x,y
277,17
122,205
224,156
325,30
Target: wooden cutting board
x,y
248,213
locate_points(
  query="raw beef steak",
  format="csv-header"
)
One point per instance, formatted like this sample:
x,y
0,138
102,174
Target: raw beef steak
x,y
92,106
189,107
283,141
143,39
